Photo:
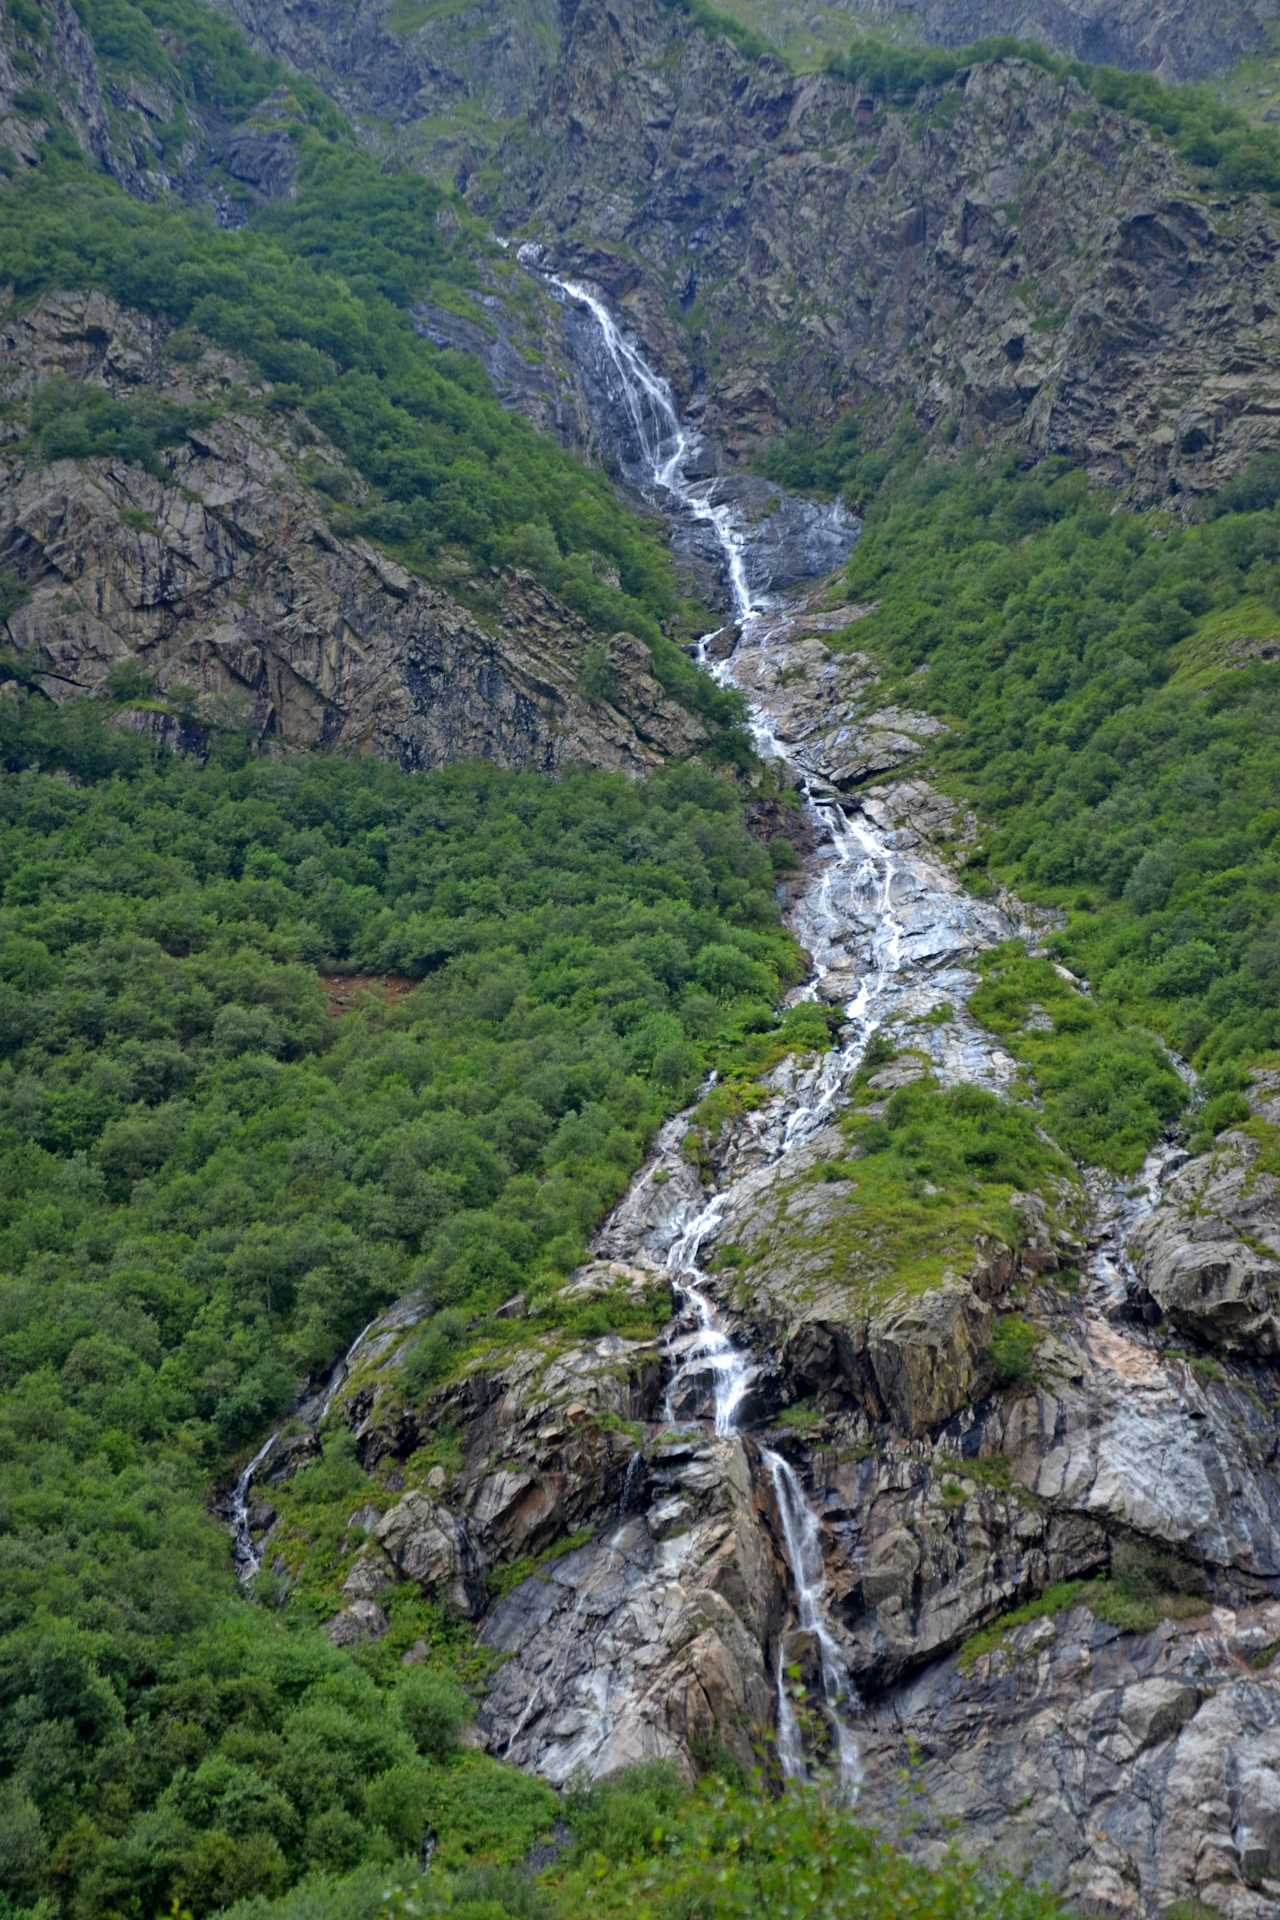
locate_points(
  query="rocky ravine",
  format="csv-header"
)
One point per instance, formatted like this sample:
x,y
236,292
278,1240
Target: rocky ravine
x,y
1127,1769
814,1464
223,575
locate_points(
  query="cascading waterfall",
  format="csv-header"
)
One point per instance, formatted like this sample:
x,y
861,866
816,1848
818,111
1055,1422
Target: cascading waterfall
x,y
659,447
248,1556
888,930
664,449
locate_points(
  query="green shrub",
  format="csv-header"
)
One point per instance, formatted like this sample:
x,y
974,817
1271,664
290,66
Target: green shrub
x,y
627,1817
752,1856
1013,1349
433,1352
432,1708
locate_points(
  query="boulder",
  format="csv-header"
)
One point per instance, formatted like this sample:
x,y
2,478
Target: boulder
x,y
362,1620
929,1355
430,1545
1210,1253
369,1577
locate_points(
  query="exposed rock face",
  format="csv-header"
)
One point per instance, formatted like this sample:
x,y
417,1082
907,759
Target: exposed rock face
x,y
362,1620
1128,1770
225,576
430,1545
1211,1256
534,371
62,63
1188,40
491,52
666,1618
1006,252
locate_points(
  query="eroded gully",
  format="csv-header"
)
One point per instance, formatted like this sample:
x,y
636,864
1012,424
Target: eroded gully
x,y
890,932
878,918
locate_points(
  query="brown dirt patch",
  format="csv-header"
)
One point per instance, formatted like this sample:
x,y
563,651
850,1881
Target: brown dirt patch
x,y
347,991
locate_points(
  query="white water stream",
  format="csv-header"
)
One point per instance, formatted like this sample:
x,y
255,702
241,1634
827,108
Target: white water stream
x,y
892,926
898,927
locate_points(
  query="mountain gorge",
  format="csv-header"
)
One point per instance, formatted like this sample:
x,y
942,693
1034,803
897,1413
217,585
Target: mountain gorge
x,y
639,978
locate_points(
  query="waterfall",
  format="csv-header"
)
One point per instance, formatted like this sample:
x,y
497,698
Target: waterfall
x,y
247,1556
661,450
659,447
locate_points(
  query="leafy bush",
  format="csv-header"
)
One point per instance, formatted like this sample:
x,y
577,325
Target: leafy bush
x,y
75,421
432,1707
750,1856
434,1349
627,1817
1013,1349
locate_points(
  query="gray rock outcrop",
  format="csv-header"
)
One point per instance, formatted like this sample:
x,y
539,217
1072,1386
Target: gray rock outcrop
x,y
1210,1256
221,575
1005,253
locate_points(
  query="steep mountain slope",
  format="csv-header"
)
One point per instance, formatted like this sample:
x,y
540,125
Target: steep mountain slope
x,y
213,573
214,446
1002,255
902,1402
1186,41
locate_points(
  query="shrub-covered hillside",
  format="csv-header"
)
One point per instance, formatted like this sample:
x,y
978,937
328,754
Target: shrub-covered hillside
x,y
209,1181
1114,684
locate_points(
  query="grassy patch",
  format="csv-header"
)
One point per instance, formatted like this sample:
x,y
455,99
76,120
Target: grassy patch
x,y
505,1579
911,1196
1013,1349
1146,1584
1107,1090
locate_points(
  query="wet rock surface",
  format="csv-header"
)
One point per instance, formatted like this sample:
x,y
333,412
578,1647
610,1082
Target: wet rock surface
x,y
1126,1770
1210,1257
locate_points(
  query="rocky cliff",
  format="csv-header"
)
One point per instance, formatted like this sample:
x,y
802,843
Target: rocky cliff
x,y
215,572
1004,258
1186,41
1116,1738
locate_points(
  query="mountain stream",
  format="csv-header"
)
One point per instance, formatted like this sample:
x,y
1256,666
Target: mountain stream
x,y
890,931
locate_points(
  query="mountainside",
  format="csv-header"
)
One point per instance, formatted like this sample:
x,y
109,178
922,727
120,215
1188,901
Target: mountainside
x,y
1000,255
639,967
1189,40
217,577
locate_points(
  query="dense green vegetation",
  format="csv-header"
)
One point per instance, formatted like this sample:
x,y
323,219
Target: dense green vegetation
x,y
1107,1090
1237,155
737,1853
208,1184
643,1848
1116,698
314,295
